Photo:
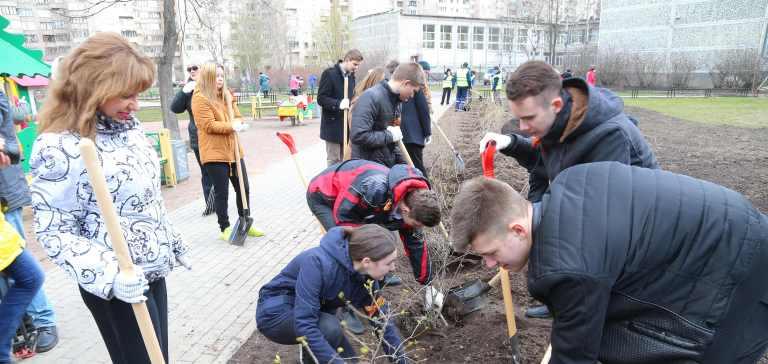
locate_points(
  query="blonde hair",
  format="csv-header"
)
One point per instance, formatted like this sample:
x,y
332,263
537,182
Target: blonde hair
x,y
374,76
206,85
103,67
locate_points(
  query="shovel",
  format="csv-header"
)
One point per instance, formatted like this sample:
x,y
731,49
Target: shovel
x,y
506,286
104,199
347,149
244,222
287,139
458,162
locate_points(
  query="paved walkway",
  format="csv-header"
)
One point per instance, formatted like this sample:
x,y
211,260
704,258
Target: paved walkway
x,y
212,307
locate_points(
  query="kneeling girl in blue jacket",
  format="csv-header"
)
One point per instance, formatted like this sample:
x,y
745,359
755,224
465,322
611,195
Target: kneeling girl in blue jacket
x,y
302,299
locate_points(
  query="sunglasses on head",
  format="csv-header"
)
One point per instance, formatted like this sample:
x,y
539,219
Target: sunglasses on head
x,y
192,68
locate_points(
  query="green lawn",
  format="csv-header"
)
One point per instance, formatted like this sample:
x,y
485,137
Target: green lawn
x,y
748,112
153,114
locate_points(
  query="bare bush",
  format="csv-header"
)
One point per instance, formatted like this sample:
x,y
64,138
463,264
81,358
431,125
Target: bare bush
x,y
612,64
645,70
737,69
680,70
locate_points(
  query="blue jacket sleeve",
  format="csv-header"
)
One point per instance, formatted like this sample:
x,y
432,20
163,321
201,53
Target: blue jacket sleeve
x,y
307,311
423,109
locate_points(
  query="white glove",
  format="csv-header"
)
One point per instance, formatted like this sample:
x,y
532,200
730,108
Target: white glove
x,y
397,134
240,127
344,104
182,260
189,87
502,141
129,288
433,299
428,140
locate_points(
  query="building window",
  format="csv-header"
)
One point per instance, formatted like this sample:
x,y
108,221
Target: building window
x,y
522,39
578,36
592,35
509,39
563,38
30,38
493,39
129,33
478,37
24,12
46,25
463,36
41,2
445,36
8,10
429,35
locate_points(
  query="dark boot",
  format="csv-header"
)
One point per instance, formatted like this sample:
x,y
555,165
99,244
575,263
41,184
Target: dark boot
x,y
47,338
541,312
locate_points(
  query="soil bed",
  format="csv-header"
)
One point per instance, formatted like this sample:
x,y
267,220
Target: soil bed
x,y
733,157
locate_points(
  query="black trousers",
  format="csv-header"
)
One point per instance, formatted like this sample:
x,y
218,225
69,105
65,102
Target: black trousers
x,y
222,174
205,178
119,329
417,156
742,335
446,98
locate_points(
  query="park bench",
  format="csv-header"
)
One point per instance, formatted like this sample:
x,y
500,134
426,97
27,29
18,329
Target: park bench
x,y
259,103
161,141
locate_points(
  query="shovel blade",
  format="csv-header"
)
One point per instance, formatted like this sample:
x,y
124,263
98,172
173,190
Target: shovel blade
x,y
514,347
240,230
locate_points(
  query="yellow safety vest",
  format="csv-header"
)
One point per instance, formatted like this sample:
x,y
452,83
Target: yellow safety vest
x,y
461,78
448,81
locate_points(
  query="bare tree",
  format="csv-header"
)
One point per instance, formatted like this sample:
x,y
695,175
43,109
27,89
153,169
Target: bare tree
x,y
612,67
680,70
644,70
332,37
738,69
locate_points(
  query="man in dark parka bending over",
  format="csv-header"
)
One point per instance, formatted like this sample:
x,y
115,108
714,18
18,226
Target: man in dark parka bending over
x,y
637,265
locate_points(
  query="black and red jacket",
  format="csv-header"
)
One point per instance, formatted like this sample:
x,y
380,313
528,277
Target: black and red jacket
x,y
364,192
357,192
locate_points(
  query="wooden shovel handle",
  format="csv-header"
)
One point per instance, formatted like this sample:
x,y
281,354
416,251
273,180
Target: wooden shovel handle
x,y
115,233
346,152
243,197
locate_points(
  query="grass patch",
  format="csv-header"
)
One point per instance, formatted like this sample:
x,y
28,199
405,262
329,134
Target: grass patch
x,y
747,112
155,115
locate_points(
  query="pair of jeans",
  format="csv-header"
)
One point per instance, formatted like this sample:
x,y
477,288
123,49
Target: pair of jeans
x,y
333,153
222,174
275,320
40,308
27,278
461,96
119,329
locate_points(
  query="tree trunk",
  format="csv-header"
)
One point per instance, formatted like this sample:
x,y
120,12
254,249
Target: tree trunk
x,y
165,68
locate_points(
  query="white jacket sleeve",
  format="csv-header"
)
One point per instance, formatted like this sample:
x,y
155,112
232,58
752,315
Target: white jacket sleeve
x,y
65,229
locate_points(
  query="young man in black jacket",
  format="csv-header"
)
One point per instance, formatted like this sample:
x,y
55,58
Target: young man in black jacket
x,y
183,102
637,265
375,118
569,123
416,126
330,96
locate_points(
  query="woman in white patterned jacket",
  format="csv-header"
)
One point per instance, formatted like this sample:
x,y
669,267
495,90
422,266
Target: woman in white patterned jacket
x,y
94,95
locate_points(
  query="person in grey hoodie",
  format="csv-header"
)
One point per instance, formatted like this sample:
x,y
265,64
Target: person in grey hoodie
x,y
14,195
